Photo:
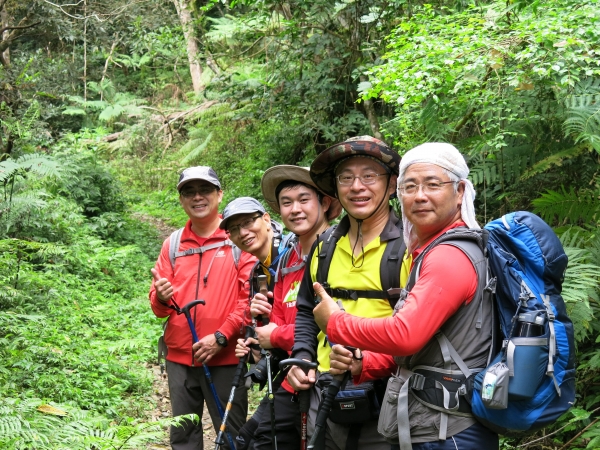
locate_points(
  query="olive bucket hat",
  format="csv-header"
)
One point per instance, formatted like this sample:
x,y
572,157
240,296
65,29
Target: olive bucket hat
x,y
322,170
276,175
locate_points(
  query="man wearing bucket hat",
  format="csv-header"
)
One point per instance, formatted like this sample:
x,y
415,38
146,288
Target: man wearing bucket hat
x,y
289,191
199,262
442,329
361,172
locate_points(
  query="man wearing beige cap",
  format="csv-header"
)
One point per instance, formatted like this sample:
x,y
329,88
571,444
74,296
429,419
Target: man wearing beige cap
x,y
199,262
306,212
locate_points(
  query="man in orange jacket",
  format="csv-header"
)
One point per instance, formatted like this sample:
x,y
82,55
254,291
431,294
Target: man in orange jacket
x,y
202,264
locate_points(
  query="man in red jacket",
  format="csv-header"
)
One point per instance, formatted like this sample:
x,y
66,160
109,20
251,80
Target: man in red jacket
x,y
212,271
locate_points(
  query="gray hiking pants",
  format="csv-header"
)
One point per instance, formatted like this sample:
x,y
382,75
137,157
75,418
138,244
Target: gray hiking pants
x,y
189,389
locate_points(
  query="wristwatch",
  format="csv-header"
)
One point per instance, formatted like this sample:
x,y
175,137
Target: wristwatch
x,y
221,339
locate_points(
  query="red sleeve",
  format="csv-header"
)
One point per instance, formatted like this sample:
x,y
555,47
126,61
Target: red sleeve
x,y
375,366
282,336
447,280
234,323
164,269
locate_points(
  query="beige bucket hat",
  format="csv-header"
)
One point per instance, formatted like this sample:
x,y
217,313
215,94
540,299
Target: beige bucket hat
x,y
277,174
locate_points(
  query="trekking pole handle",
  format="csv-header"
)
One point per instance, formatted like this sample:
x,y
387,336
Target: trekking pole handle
x,y
238,371
264,290
304,401
186,311
303,364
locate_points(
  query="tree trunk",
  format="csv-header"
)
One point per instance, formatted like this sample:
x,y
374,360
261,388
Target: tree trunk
x,y
5,55
371,115
185,17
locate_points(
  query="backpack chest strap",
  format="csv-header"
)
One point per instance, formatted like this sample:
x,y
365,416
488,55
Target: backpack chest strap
x,y
351,294
204,248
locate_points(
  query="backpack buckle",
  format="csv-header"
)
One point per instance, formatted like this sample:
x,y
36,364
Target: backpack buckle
x,y
394,292
347,293
417,381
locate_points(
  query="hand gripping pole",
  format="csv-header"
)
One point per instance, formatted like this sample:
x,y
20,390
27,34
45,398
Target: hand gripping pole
x,y
303,396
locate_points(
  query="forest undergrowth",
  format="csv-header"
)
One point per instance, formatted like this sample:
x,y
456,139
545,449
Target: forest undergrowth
x,y
102,105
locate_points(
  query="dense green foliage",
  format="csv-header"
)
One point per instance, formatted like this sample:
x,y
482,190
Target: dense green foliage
x,y
98,116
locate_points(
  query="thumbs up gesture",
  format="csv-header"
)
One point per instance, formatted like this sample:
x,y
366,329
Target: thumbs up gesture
x,y
164,290
325,308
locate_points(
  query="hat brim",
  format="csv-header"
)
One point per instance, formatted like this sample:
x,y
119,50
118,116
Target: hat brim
x,y
224,222
322,170
276,175
187,180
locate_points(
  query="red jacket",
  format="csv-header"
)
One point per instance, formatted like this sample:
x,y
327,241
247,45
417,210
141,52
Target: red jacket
x,y
284,307
284,304
225,291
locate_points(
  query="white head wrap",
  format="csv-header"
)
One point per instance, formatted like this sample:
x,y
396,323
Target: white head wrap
x,y
449,158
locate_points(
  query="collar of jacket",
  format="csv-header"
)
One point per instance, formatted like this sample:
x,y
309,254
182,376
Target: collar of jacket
x,y
189,235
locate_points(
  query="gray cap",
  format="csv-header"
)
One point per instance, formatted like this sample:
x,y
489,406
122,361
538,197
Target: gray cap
x,y
199,173
242,205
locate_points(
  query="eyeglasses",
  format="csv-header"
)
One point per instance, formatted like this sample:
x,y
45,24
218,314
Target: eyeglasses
x,y
191,192
428,188
366,179
244,225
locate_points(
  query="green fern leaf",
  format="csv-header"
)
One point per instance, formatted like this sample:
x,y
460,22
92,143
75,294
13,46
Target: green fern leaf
x,y
568,207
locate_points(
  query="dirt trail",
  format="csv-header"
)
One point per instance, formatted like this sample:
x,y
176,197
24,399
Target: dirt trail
x,y
163,409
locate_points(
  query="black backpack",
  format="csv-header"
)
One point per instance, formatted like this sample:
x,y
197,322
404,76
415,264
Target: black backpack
x,y
389,269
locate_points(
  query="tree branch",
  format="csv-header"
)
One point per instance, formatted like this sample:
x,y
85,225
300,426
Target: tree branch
x,y
18,28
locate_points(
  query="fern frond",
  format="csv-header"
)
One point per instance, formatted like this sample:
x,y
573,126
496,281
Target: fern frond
x,y
39,164
555,159
583,113
127,344
194,148
485,171
568,207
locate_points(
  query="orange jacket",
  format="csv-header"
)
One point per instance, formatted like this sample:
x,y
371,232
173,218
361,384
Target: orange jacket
x,y
213,277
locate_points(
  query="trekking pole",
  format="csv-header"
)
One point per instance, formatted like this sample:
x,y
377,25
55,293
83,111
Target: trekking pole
x,y
303,397
236,381
263,289
186,312
332,390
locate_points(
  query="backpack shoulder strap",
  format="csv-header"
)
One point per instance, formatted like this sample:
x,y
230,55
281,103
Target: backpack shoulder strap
x,y
236,252
328,241
391,263
174,242
290,242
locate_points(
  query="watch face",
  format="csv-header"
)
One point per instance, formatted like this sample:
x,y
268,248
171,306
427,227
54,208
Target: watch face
x,y
221,339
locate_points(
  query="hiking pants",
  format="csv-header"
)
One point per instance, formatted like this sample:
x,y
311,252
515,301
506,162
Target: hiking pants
x,y
476,437
189,389
287,423
287,427
363,436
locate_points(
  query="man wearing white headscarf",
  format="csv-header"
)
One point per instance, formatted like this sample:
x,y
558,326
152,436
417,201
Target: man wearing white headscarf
x,y
441,332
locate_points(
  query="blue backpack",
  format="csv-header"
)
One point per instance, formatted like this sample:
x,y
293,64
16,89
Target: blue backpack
x,y
529,380
528,261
